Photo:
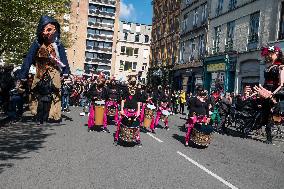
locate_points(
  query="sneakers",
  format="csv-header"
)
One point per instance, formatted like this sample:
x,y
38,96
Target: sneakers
x,y
186,144
139,144
106,130
82,114
68,111
167,128
153,131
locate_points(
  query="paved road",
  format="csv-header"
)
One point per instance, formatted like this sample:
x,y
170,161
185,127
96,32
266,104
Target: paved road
x,y
67,156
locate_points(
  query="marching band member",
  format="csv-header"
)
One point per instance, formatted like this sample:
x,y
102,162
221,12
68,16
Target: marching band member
x,y
164,105
113,100
199,112
97,92
130,105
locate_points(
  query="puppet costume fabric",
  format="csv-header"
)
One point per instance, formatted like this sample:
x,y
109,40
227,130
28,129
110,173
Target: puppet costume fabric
x,y
48,55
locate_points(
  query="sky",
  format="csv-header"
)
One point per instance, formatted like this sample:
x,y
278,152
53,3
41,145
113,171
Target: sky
x,y
138,11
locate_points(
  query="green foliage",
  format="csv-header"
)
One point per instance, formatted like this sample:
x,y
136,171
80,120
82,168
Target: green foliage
x,y
19,20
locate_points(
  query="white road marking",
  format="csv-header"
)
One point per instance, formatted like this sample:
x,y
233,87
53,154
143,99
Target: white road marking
x,y
154,137
207,171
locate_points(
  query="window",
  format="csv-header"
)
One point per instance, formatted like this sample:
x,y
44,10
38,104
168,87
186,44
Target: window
x,y
146,38
134,66
254,26
122,50
136,38
136,50
195,17
146,53
230,35
127,66
129,51
121,66
281,24
232,4
182,50
185,19
216,42
144,67
125,36
201,45
219,7
204,13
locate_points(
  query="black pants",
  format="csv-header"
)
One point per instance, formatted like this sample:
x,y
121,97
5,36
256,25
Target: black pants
x,y
181,108
43,110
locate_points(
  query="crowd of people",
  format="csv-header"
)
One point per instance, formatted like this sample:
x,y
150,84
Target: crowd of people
x,y
52,90
213,109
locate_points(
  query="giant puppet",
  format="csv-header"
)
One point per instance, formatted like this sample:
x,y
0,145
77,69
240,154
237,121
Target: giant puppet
x,y
48,55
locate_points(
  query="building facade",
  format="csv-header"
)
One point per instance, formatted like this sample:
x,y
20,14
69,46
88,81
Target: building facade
x,y
132,50
94,25
165,41
193,38
237,31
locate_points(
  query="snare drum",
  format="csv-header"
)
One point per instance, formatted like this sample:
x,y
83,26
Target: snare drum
x,y
165,114
99,112
129,129
201,134
149,114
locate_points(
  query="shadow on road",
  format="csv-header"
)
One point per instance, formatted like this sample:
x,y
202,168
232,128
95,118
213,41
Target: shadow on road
x,y
17,140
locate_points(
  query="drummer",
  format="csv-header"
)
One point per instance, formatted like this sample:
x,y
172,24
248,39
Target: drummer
x,y
130,102
97,92
164,105
113,98
198,112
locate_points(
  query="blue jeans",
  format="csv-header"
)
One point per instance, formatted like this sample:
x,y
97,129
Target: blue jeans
x,y
65,102
16,102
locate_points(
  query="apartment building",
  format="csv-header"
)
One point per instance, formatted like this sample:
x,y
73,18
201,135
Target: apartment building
x,y
132,50
193,38
165,41
94,25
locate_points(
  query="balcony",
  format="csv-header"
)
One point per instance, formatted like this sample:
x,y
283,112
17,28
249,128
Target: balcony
x,y
101,13
97,61
101,37
101,25
99,49
104,2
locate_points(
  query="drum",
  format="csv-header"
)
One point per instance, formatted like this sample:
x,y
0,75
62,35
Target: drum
x,y
149,114
99,113
165,114
129,129
201,134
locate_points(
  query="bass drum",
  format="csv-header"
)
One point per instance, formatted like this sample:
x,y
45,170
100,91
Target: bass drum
x,y
99,113
201,134
165,114
129,129
149,114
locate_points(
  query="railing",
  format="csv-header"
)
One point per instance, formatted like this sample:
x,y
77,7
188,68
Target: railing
x,y
102,37
97,61
107,2
103,25
103,13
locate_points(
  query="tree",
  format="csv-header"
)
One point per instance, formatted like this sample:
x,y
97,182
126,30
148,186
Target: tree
x,y
19,20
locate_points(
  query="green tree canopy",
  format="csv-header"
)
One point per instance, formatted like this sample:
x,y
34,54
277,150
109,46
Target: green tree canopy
x,y
18,24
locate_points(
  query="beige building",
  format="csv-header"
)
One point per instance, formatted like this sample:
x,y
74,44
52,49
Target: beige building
x,y
94,26
133,50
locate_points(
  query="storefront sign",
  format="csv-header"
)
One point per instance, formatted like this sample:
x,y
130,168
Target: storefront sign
x,y
216,67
